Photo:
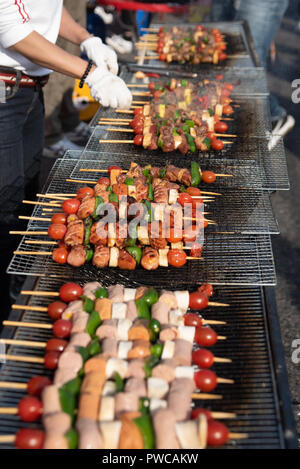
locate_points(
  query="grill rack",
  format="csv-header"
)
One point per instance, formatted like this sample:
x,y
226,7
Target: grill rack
x,y
241,211
254,397
227,260
271,164
239,43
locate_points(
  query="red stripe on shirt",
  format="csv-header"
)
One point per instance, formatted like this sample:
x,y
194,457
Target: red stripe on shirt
x,y
24,14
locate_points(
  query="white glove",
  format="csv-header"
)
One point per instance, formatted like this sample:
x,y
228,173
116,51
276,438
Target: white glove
x,y
109,89
100,54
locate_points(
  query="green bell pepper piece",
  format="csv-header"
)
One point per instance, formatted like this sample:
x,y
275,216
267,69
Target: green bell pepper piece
x,y
88,304
72,386
151,296
159,143
149,210
83,352
108,189
182,189
190,123
94,347
129,181
99,202
93,323
72,438
175,131
87,230
176,115
191,142
119,382
150,192
162,173
184,83
89,255
67,402
113,197
210,111
205,40
144,405
207,142
135,252
155,328
195,173
101,293
146,172
142,309
156,350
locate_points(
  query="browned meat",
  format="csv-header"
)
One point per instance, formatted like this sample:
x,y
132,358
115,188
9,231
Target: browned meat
x,y
75,233
120,189
97,233
150,259
76,256
126,261
101,256
154,171
155,235
134,171
100,190
161,193
141,191
87,207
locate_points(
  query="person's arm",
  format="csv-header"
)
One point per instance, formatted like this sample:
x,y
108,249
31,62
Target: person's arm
x,y
42,52
72,31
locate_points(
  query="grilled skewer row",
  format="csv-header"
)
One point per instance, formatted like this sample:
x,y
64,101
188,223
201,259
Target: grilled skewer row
x,y
195,46
182,116
99,378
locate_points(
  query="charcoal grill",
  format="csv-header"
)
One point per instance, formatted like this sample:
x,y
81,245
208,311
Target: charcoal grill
x,y
258,391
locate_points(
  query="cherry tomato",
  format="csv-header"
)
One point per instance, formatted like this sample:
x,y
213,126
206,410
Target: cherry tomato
x,y
30,409
203,358
104,181
114,167
229,86
138,111
192,319
57,231
71,206
30,438
55,309
138,129
205,380
59,218
217,144
225,92
70,292
184,199
56,345
174,236
84,191
207,289
221,126
198,411
138,120
51,360
208,177
198,300
222,56
36,385
217,433
163,57
193,191
60,255
227,110
205,336
176,257
138,140
157,94
62,328
151,86
219,77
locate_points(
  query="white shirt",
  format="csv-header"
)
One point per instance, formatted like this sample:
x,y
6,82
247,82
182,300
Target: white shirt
x,y
18,18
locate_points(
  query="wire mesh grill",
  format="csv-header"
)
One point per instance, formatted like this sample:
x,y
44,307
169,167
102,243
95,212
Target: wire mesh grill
x,y
272,164
251,118
252,396
237,210
227,260
239,49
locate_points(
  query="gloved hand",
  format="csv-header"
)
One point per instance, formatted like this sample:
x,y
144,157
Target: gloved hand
x,y
108,89
100,54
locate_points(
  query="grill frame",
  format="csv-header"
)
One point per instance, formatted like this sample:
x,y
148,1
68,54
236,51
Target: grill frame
x,y
252,322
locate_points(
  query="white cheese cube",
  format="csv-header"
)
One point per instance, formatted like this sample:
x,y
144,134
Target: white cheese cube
x,y
168,350
113,257
109,388
123,349
114,365
187,434
111,433
163,257
186,333
119,311
173,196
123,328
183,299
157,404
157,388
107,408
129,294
176,317
184,372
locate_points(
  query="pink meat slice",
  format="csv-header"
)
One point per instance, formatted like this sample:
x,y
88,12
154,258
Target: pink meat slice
x,y
50,399
81,339
131,310
164,429
89,289
126,402
169,298
89,434
136,369
168,333
71,360
53,441
72,308
79,322
165,370
160,312
58,423
64,375
137,386
109,347
179,398
183,352
108,329
116,293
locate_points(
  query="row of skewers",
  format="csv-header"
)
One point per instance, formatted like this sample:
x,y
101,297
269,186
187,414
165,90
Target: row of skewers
x,y
124,371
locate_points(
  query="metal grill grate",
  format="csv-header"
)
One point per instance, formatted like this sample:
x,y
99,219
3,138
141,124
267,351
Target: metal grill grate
x,y
227,260
253,396
252,118
239,48
272,164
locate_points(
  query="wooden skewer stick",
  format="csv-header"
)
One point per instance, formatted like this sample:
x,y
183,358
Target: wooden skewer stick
x,y
141,93
23,217
39,293
21,358
112,123
30,308
47,243
37,325
23,343
48,196
32,202
32,233
131,141
137,85
115,119
12,385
